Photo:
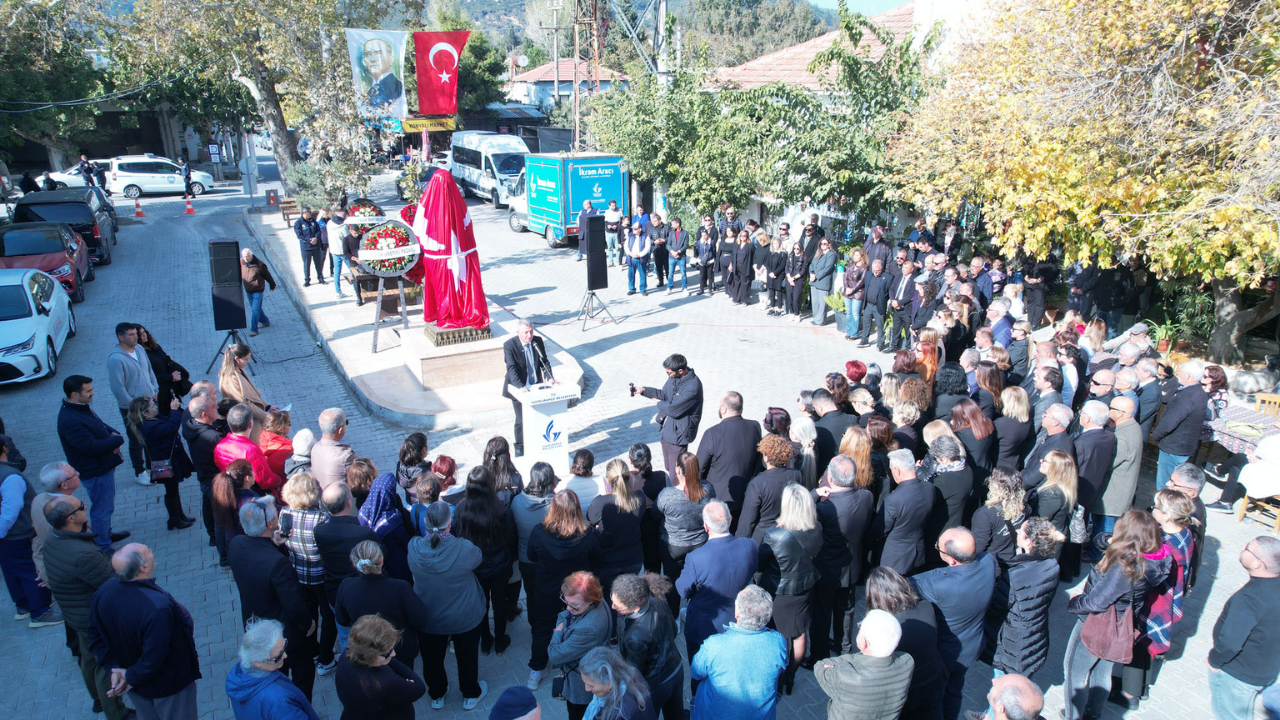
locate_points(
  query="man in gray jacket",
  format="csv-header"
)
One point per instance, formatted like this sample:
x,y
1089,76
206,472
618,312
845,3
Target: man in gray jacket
x,y
74,569
330,457
130,375
1116,496
873,682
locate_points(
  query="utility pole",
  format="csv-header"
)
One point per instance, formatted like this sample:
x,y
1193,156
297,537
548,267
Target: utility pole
x,y
555,47
660,43
577,84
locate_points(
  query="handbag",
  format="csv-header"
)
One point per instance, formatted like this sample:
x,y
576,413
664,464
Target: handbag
x,y
1078,528
1109,636
161,469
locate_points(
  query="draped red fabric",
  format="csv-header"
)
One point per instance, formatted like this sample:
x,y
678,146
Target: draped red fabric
x,y
453,296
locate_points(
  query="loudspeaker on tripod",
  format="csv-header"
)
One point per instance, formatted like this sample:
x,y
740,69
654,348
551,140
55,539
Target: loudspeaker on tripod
x,y
227,290
597,262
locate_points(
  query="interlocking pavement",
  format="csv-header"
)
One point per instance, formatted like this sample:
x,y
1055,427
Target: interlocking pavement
x,y
160,279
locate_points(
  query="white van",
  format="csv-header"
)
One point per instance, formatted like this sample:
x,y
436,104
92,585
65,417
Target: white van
x,y
482,160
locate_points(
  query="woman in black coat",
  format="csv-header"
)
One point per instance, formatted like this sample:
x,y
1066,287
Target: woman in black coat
x,y
762,502
990,386
1013,428
159,436
173,379
372,592
797,271
743,270
616,517
889,591
1055,498
776,278
482,518
788,572
953,479
995,524
726,251
1017,622
977,434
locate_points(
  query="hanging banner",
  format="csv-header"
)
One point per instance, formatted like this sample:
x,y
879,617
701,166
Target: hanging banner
x,y
437,55
377,71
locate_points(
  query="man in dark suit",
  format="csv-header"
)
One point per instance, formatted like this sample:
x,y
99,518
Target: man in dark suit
x,y
1095,452
831,422
902,297
1178,432
899,526
876,248
336,536
527,365
844,513
1081,285
1150,397
679,408
1056,421
202,437
1048,392
727,454
877,286
961,592
269,588
713,575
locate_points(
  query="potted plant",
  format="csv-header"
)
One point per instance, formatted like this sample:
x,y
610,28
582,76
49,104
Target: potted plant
x,y
1164,333
835,301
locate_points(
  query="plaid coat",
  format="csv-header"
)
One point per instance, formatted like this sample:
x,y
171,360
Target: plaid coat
x,y
1164,601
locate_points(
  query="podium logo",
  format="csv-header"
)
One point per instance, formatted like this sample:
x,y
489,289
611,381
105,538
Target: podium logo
x,y
551,434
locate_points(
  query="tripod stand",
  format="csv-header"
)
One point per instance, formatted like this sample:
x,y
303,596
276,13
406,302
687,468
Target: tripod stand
x,y
232,336
591,307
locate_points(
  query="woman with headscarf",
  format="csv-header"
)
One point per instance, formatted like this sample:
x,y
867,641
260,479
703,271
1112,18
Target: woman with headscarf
x,y
384,514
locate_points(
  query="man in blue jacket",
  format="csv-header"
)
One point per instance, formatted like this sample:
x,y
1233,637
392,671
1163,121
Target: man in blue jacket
x,y
93,449
311,243
145,637
713,576
256,687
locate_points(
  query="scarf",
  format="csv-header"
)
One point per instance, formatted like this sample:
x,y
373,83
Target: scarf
x,y
381,511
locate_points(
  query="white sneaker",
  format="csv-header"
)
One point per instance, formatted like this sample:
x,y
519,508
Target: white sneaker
x,y
535,678
144,479
471,703
324,670
437,704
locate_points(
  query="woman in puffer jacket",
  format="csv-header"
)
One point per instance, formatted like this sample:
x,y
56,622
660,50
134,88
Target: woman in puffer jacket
x,y
1018,617
1132,564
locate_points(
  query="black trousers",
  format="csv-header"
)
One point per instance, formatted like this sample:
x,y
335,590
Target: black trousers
x,y
742,289
794,296
670,453
706,278
873,319
542,623
518,431
466,648
314,256
206,508
672,565
660,257
300,663
1035,307
776,295
135,449
173,499
900,336
668,696
495,596
726,280
327,627
830,617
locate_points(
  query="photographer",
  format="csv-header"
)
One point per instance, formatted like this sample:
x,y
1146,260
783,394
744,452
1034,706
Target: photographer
x,y
679,408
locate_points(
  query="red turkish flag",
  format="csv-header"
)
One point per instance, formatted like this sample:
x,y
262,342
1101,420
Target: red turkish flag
x,y
437,55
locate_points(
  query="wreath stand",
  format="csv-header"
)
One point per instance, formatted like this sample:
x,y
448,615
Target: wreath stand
x,y
379,317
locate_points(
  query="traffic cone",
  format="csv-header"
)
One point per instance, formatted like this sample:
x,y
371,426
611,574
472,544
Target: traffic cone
x,y
137,209
190,210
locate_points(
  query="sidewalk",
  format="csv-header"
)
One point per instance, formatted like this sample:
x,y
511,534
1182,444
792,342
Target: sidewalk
x,y
383,381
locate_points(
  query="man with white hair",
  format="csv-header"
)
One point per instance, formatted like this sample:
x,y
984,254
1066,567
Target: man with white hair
x,y
874,682
739,668
969,360
256,277
1127,386
1129,354
1178,433
1095,457
57,479
900,524
330,457
712,575
1057,418
844,511
1001,321
1138,336
202,435
1012,697
255,685
525,356
1150,394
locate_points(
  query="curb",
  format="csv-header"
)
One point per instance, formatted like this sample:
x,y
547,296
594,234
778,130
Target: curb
x,y
412,421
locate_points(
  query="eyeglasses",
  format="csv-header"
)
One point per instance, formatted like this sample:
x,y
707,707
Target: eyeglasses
x,y
79,509
572,606
387,655
278,657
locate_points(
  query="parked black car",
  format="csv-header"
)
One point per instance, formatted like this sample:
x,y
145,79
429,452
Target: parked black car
x,y
83,209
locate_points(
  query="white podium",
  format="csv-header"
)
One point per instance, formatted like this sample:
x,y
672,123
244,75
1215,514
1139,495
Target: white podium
x,y
546,434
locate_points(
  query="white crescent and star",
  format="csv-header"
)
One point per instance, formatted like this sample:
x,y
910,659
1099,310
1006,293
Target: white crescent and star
x,y
431,58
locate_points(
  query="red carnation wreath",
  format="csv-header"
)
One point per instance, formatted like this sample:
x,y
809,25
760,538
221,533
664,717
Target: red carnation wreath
x,y
389,236
364,207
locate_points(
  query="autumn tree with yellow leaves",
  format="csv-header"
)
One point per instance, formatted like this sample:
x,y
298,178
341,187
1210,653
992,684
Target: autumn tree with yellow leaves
x,y
1117,127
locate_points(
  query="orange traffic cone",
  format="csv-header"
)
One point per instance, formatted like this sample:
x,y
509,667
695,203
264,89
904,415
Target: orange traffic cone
x,y
137,209
190,210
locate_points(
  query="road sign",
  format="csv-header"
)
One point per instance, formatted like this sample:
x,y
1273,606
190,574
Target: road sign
x,y
215,152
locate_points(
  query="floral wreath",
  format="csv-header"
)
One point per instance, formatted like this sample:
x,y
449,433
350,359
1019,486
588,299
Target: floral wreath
x,y
386,237
364,207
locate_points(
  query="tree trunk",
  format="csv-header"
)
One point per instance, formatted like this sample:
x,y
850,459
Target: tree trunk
x,y
1226,344
283,147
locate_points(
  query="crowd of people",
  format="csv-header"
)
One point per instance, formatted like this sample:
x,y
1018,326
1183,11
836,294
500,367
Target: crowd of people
x,y
960,487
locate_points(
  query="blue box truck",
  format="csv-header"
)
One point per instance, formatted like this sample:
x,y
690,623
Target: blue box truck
x,y
547,196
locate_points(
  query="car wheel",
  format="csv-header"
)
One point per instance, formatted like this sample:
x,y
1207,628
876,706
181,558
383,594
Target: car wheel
x,y
60,185
71,323
104,257
50,358
133,192
197,188
93,274
77,295
513,222
550,235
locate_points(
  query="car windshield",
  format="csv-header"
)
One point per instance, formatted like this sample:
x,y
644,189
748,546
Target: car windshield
x,y
509,164
13,303
74,213
30,242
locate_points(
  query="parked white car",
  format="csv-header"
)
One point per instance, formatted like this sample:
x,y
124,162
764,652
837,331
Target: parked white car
x,y
134,175
35,321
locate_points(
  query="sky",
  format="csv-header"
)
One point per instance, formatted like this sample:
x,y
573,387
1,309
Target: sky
x,y
866,7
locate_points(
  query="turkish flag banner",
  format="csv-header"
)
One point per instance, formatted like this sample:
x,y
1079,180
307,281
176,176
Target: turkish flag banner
x,y
437,55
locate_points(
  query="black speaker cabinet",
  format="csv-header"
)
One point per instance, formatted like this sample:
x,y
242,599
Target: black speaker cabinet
x,y
594,233
597,263
228,292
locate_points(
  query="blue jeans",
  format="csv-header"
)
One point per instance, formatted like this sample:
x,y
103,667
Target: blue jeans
x,y
343,632
20,577
1232,699
102,503
853,317
1165,466
611,247
1271,701
637,265
338,262
1101,524
672,264
256,315
1087,678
